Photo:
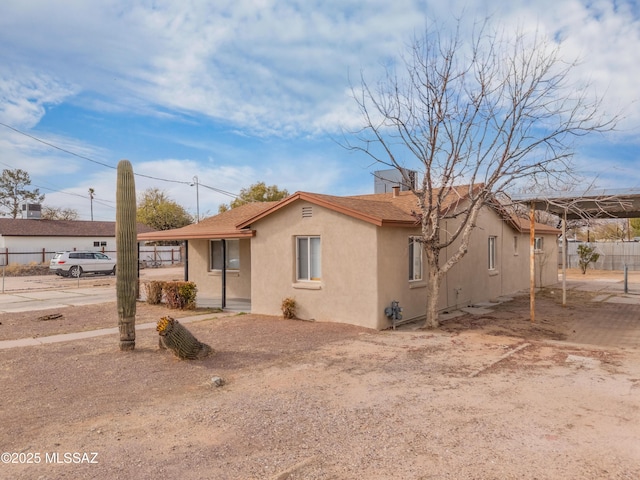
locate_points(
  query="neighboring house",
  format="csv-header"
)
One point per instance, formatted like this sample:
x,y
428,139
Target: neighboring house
x,y
345,259
26,240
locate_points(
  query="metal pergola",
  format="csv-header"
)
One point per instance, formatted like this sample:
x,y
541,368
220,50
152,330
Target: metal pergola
x,y
593,204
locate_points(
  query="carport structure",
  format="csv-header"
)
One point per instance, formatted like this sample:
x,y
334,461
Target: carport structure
x,y
593,204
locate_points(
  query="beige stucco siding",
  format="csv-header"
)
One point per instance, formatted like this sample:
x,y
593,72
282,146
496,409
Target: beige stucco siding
x,y
210,282
393,275
471,281
347,291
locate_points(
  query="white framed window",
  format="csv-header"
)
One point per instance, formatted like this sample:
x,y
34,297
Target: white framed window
x,y
232,261
308,258
492,254
415,260
538,243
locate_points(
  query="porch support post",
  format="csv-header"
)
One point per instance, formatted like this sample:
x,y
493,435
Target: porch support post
x,y
186,260
564,258
224,273
532,264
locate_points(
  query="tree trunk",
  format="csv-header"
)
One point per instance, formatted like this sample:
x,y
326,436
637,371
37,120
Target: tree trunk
x,y
433,294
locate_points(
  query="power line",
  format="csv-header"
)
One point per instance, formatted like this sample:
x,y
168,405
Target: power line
x,y
83,157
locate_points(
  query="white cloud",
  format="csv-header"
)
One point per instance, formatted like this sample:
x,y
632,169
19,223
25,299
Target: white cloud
x,y
24,95
267,67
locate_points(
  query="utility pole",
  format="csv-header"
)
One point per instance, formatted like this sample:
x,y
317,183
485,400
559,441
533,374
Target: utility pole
x,y
196,183
91,192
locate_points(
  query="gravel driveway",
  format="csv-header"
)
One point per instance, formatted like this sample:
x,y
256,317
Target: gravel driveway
x,y
485,397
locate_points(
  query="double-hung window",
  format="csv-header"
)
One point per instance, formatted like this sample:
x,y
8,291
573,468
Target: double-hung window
x,y
232,260
415,260
308,258
538,244
492,252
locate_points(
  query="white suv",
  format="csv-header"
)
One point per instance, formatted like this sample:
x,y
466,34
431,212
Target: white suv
x,y
74,264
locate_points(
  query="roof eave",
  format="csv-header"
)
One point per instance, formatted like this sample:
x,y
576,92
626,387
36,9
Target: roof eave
x,y
198,236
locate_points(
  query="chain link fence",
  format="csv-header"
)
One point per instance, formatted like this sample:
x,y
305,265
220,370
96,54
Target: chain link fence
x,y
150,256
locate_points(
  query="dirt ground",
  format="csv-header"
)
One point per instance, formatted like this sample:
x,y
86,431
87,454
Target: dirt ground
x,y
488,396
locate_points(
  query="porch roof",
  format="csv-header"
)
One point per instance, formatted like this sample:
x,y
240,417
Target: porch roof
x,y
223,225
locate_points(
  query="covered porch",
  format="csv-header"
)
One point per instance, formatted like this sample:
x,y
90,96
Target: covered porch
x,y
217,257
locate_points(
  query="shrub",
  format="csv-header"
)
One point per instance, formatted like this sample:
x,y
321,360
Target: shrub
x,y
289,308
154,292
180,295
586,255
21,270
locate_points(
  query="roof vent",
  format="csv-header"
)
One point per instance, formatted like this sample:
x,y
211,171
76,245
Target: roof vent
x,y
396,191
307,212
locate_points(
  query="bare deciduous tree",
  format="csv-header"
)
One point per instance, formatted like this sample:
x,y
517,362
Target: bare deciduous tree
x,y
491,113
59,213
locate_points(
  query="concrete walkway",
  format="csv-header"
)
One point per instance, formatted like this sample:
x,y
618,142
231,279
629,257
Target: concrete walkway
x,y
33,300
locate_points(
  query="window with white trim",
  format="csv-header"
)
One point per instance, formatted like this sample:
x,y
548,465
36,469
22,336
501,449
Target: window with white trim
x,y
538,244
308,259
232,261
415,260
492,252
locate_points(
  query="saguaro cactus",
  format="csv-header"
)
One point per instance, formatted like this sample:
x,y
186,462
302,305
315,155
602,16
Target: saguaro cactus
x,y
175,337
127,253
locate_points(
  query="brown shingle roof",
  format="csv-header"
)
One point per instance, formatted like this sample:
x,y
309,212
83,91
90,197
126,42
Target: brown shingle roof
x,y
223,225
18,227
382,209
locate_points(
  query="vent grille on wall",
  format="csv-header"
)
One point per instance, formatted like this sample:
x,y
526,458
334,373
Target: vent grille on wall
x,y
307,212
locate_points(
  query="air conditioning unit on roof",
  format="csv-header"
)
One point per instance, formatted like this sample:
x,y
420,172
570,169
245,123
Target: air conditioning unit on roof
x,y
32,211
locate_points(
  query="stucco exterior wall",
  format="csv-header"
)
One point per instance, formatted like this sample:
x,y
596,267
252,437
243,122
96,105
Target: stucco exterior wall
x,y
210,282
365,267
471,281
393,276
347,292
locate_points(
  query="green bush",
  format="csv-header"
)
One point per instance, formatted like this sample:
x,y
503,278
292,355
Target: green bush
x,y
154,292
180,295
586,255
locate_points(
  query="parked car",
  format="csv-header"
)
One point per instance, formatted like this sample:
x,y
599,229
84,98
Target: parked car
x,y
74,264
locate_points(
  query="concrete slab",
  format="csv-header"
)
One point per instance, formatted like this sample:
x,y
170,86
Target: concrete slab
x,y
476,310
486,304
624,299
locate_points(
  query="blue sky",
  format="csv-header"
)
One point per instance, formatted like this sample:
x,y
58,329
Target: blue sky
x,y
242,91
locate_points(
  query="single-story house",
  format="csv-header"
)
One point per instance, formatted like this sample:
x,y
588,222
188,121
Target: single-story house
x,y
25,240
345,259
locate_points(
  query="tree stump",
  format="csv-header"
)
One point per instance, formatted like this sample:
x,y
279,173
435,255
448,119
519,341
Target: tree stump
x,y
175,337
